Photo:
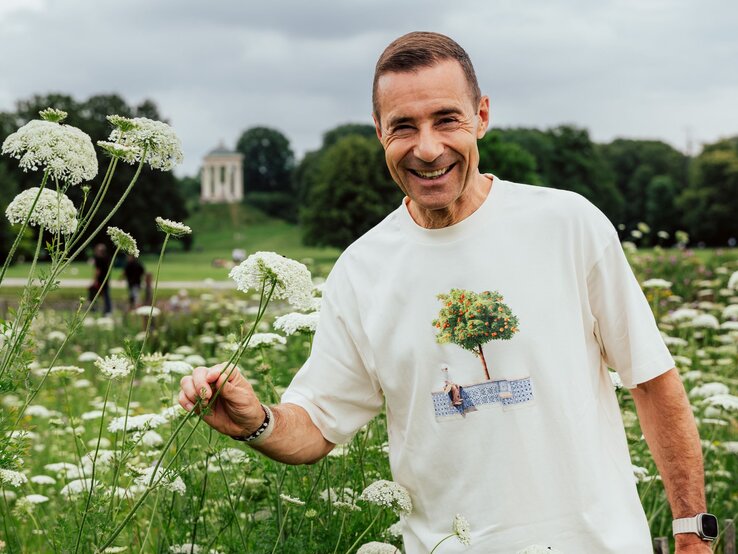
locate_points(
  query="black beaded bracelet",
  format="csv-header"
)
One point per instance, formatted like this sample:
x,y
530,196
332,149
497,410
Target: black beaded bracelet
x,y
263,427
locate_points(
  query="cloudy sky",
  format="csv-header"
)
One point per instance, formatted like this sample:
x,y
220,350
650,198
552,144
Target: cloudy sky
x,y
663,69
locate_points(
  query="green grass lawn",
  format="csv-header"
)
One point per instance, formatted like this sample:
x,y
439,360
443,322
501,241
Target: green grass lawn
x,y
217,230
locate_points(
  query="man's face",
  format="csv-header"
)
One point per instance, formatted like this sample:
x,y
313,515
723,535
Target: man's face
x,y
429,126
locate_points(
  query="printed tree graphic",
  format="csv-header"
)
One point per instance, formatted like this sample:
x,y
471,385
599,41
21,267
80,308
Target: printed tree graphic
x,y
469,319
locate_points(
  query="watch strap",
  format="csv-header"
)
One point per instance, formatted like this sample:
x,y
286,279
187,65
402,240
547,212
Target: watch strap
x,y
685,525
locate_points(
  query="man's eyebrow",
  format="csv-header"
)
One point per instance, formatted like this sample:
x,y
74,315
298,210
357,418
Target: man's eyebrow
x,y
395,121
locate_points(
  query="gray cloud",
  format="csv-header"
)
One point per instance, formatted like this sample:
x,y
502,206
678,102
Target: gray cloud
x,y
649,68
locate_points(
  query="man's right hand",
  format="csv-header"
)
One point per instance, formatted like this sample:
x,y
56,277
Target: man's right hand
x,y
235,412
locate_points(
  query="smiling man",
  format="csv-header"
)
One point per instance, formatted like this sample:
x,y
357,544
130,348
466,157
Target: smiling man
x,y
483,314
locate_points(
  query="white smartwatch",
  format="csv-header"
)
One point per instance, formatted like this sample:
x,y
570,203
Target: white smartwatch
x,y
703,525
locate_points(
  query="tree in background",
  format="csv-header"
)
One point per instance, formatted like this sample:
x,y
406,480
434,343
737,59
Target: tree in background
x,y
268,163
350,192
157,193
642,169
508,160
710,202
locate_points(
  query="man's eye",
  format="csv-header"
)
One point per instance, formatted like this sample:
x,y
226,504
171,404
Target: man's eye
x,y
447,120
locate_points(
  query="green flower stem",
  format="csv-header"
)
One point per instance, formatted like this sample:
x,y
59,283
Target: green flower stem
x,y
187,417
340,532
231,505
110,214
71,333
376,517
27,303
281,529
316,482
202,494
19,236
95,206
442,540
94,464
151,522
140,352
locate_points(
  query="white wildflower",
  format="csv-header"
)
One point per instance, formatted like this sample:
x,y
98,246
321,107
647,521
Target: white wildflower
x,y
35,498
43,480
709,389
176,366
114,366
64,151
124,241
151,439
232,456
725,401
165,478
733,281
186,549
684,313
348,506
152,311
730,312
12,478
174,228
266,339
53,210
291,323
292,279
291,500
375,547
705,321
137,423
56,336
162,146
88,357
115,549
52,114
657,284
729,326
462,529
640,473
78,486
395,530
390,495
674,341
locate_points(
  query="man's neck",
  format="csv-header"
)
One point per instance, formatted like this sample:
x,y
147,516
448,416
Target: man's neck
x,y
462,208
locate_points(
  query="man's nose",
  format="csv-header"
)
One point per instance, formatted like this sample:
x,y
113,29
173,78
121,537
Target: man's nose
x,y
429,147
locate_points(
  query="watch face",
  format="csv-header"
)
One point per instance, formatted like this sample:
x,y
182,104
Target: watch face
x,y
709,525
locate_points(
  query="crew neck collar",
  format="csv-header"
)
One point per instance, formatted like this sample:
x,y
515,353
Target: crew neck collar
x,y
470,224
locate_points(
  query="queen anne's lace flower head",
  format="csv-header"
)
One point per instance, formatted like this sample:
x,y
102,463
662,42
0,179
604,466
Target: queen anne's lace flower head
x,y
174,228
66,370
124,241
375,547
266,339
294,322
292,279
114,366
462,529
12,478
138,135
166,479
390,495
53,210
291,500
65,152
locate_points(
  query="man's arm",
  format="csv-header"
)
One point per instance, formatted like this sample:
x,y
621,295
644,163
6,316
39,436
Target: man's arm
x,y
237,412
668,425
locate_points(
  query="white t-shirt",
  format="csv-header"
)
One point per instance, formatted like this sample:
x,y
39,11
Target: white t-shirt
x,y
548,461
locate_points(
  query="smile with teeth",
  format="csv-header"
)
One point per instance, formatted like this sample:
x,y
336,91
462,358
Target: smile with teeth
x,y
432,174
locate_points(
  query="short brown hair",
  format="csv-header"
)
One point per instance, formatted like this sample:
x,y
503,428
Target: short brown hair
x,y
421,49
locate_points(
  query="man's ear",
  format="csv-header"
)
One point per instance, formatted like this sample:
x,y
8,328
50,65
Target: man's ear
x,y
377,127
483,114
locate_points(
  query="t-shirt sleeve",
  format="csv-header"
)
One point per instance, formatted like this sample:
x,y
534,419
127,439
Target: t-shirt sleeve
x,y
625,327
336,385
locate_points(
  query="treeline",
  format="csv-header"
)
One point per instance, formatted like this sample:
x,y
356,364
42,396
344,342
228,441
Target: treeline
x,y
156,194
339,191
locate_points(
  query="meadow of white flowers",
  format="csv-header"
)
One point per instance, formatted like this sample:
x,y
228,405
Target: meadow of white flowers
x,y
97,456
